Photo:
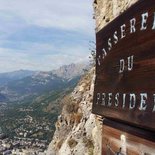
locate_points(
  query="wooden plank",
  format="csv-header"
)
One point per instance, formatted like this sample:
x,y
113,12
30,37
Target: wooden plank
x,y
125,139
125,67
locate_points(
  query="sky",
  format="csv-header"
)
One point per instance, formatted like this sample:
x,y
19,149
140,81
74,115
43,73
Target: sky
x,y
44,34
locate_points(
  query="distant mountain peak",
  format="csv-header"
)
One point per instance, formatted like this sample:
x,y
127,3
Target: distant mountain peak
x,y
22,84
70,71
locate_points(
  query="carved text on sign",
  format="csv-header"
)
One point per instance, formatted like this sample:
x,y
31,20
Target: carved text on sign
x,y
114,39
127,100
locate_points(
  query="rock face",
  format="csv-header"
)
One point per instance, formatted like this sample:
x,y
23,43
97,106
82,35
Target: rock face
x,y
107,10
77,129
71,71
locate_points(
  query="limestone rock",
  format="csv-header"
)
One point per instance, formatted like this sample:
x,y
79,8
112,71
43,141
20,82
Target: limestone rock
x,y
77,128
107,10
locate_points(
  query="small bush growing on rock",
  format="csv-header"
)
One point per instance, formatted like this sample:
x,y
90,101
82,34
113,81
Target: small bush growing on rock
x,y
72,143
88,143
70,105
91,151
92,57
76,118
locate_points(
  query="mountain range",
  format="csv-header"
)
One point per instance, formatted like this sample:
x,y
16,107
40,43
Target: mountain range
x,y
24,84
15,75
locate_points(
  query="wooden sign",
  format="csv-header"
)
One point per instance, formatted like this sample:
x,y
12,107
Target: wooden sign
x,y
120,139
125,67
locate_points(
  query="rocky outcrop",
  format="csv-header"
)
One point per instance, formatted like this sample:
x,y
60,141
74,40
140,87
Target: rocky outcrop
x,y
107,10
71,71
77,129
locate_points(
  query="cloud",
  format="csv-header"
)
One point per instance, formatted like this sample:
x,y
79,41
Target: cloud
x,y
44,34
40,57
68,14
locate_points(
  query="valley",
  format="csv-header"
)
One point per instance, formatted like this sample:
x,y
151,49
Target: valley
x,y
29,106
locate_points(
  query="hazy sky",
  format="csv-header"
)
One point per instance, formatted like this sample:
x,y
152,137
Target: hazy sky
x,y
44,34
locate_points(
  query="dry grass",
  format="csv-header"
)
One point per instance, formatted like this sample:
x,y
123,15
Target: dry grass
x,y
70,106
59,144
76,117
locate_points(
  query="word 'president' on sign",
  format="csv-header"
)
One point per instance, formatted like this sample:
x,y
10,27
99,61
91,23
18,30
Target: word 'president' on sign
x,y
124,100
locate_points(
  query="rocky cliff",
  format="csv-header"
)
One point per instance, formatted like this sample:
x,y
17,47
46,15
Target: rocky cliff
x,y
77,129
107,10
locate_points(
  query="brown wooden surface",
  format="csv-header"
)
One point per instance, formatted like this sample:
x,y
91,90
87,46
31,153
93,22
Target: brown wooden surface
x,y
131,144
141,79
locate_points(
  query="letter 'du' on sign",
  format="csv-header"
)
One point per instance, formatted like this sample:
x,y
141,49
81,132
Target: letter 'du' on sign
x,y
123,64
